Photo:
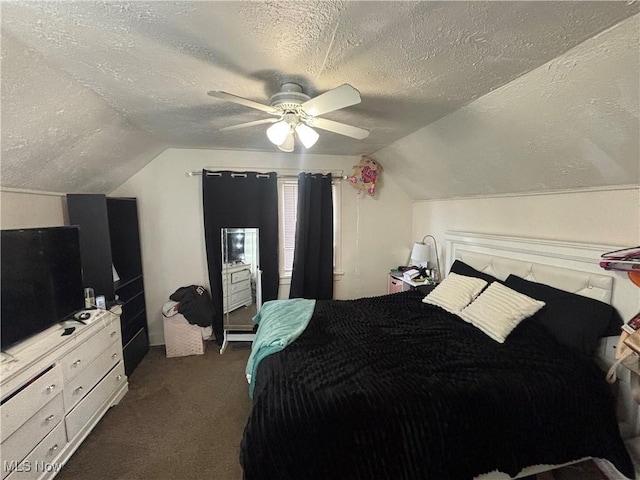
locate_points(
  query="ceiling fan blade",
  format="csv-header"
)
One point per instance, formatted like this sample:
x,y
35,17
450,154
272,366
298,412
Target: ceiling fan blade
x,y
242,101
248,124
337,127
340,97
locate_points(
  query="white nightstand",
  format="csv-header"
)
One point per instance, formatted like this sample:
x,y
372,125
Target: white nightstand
x,y
397,283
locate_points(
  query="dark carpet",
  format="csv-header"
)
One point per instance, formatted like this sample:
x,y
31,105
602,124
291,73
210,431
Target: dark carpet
x,y
181,419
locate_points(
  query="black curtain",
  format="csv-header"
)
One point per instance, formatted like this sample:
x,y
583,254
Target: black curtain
x,y
312,275
240,200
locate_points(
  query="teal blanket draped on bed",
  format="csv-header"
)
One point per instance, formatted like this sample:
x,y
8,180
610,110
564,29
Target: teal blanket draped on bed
x,y
279,322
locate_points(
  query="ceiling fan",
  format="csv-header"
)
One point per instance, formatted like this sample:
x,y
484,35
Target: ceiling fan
x,y
295,113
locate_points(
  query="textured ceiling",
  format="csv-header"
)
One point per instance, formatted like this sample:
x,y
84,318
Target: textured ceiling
x,y
92,91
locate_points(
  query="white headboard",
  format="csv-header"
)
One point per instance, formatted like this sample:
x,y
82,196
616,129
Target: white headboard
x,y
573,267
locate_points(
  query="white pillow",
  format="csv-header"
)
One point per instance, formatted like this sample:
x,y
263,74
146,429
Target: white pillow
x,y
455,292
499,309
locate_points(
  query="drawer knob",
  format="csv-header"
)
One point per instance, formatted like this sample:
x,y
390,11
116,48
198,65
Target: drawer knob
x,y
119,377
77,362
49,418
114,333
114,356
54,448
51,388
79,389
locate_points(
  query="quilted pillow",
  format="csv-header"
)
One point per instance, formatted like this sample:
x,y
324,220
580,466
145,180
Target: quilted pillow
x,y
462,268
455,292
498,310
573,320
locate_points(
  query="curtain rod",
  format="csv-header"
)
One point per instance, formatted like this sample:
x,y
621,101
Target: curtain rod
x,y
336,175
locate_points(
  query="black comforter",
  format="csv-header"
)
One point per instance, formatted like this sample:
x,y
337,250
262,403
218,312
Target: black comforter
x,y
391,388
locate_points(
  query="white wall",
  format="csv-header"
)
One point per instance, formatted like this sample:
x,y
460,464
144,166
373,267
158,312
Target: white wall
x,y
610,217
376,231
25,209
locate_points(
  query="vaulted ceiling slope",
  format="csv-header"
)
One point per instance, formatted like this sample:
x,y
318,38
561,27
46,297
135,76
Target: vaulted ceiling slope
x,y
573,123
93,91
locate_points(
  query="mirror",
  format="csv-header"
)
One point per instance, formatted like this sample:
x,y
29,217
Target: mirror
x,y
241,283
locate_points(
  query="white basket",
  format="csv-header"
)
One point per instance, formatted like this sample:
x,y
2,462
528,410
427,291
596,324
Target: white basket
x,y
181,338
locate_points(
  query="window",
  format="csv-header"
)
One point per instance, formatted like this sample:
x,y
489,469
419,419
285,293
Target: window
x,y
288,217
288,200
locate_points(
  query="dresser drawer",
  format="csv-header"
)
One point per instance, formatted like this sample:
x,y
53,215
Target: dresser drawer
x,y
18,409
243,296
76,389
237,287
240,276
42,457
90,404
76,361
17,446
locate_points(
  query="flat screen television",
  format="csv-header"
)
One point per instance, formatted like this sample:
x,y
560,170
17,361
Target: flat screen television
x,y
40,280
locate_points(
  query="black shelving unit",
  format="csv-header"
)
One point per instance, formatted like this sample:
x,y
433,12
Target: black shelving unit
x,y
110,238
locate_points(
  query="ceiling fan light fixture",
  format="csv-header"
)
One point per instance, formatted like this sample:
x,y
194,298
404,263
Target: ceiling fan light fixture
x,y
278,132
297,114
288,143
307,135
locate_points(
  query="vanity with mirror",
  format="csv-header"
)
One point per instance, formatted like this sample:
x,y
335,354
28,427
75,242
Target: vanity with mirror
x,y
241,283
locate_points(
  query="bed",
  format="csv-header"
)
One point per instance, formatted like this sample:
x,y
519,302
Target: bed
x,y
392,387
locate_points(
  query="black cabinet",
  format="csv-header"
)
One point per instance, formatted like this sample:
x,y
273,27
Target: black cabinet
x,y
110,241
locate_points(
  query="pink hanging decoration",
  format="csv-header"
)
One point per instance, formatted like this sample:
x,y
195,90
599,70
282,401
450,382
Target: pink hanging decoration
x,y
366,175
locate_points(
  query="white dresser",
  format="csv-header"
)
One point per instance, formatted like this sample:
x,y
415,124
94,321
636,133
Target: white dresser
x,y
236,287
54,389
